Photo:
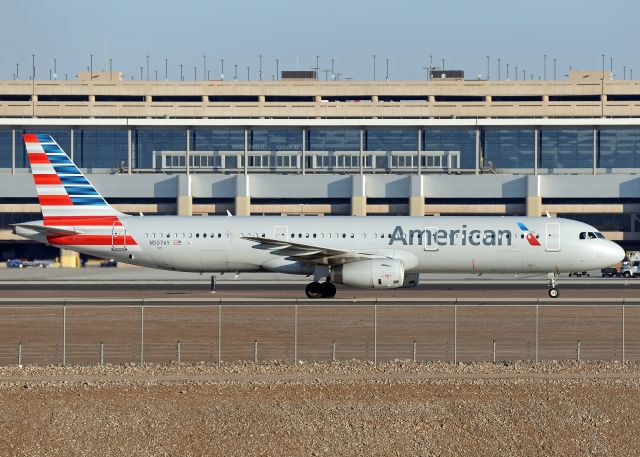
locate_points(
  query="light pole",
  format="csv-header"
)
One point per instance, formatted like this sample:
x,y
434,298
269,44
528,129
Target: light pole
x,y
499,69
611,65
156,74
248,75
195,73
260,69
91,66
544,71
516,72
141,73
110,68
603,67
221,69
624,72
235,73
55,68
181,78
166,69
374,67
507,72
277,70
204,67
387,75
17,71
554,68
147,68
332,72
443,65
488,68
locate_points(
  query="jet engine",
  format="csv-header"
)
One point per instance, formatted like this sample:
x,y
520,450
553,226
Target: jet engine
x,y
370,274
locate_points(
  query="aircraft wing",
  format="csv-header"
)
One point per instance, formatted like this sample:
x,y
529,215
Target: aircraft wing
x,y
309,253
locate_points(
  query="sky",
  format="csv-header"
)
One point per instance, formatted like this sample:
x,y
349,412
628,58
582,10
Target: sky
x,y
406,32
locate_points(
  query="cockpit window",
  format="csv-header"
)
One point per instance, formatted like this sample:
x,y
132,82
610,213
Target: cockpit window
x,y
600,235
583,235
590,235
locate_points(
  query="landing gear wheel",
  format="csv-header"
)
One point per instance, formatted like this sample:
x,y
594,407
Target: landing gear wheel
x,y
553,292
328,290
314,290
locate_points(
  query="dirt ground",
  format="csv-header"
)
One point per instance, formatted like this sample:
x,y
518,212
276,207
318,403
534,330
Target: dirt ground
x,y
345,408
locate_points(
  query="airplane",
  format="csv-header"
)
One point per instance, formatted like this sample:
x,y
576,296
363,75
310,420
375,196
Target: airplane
x,y
374,252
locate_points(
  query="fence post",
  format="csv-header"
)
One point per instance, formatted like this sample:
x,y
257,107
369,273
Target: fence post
x,y
295,333
178,350
494,351
375,332
255,351
578,352
101,353
64,333
142,333
333,351
623,354
537,323
414,351
20,355
455,333
220,332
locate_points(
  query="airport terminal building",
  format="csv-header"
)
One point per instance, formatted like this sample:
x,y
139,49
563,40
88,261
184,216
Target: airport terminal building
x,y
321,148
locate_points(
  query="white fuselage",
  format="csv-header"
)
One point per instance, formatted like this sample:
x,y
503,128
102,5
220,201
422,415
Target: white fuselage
x,y
424,244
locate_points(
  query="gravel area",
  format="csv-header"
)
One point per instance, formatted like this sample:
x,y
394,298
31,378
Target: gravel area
x,y
347,408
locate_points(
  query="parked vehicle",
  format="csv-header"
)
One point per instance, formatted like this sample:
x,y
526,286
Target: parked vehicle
x,y
579,274
109,263
632,269
610,272
14,263
41,263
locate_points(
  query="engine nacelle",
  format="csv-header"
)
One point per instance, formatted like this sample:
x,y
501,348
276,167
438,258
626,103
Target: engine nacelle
x,y
370,274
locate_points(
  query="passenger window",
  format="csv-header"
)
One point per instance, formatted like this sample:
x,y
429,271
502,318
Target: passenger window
x,y
190,235
168,235
353,235
314,235
344,235
204,235
197,235
219,235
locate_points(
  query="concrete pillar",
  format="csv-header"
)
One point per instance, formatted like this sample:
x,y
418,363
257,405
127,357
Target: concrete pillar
x,y
261,98
416,199
534,196
185,199
317,98
374,99
358,196
34,102
243,196
69,259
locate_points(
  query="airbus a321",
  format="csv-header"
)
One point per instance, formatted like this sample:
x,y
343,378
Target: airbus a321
x,y
385,252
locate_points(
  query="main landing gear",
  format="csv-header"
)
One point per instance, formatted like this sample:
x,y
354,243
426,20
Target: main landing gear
x,y
553,292
321,290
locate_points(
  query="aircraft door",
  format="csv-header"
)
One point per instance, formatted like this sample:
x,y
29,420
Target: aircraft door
x,y
118,237
281,232
553,237
430,239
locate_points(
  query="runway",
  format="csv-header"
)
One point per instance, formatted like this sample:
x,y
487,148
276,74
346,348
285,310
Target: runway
x,y
578,289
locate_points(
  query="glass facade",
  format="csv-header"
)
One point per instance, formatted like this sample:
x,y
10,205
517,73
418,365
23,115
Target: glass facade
x,y
336,149
6,148
508,148
619,148
452,140
275,139
566,148
217,139
100,148
391,140
333,139
146,142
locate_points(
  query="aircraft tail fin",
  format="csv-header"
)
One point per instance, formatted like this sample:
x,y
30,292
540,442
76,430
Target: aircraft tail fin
x,y
66,196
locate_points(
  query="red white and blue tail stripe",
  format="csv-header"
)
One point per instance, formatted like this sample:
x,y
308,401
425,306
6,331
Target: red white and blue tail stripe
x,y
67,199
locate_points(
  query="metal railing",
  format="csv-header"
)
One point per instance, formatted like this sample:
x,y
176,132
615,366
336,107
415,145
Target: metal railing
x,y
125,331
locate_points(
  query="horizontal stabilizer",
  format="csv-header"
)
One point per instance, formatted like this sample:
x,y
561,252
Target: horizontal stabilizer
x,y
48,231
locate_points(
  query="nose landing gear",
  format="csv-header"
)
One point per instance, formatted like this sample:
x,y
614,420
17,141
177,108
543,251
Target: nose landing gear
x,y
320,290
553,292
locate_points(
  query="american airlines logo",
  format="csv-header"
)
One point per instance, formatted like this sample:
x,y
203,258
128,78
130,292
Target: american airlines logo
x,y
462,237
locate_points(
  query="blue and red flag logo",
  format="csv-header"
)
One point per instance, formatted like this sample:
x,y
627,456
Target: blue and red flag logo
x,y
531,238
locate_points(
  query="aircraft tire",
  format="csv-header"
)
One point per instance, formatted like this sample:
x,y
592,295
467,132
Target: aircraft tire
x,y
328,289
553,292
314,290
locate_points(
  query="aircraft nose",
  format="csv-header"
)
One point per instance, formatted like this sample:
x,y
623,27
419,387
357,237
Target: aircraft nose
x,y
614,253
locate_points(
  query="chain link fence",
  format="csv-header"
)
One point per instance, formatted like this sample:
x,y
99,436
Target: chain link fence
x,y
120,332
